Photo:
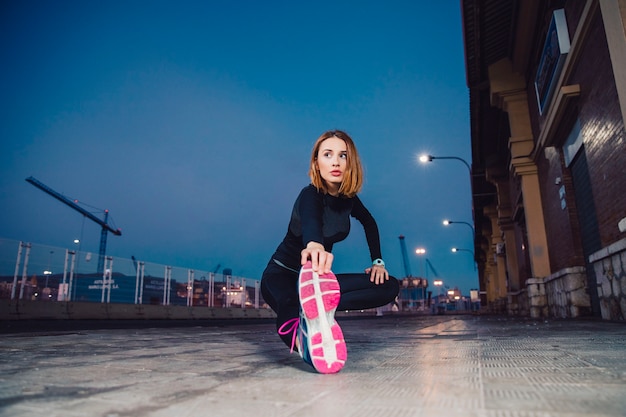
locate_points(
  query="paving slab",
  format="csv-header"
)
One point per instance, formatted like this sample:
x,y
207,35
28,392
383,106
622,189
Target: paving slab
x,y
397,366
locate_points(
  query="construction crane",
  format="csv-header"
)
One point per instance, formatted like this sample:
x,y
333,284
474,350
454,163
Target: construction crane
x,y
105,227
405,257
432,268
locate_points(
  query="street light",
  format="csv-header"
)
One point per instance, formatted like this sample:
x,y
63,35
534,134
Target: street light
x,y
449,222
463,250
466,250
420,252
438,283
430,158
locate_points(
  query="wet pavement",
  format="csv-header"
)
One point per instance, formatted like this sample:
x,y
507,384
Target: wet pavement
x,y
397,366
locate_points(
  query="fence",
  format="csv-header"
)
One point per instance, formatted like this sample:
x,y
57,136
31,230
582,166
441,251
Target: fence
x,y
43,273
40,273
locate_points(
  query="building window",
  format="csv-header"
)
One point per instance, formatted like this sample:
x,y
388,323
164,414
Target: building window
x,y
573,144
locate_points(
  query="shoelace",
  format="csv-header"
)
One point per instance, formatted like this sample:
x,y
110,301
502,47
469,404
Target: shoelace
x,y
290,326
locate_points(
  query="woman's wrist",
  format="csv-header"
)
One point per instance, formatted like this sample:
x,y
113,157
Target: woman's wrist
x,y
315,245
378,262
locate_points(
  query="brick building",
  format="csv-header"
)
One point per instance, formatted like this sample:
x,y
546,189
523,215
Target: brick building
x,y
547,91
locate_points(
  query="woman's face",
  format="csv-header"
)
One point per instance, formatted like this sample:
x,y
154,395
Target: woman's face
x,y
332,161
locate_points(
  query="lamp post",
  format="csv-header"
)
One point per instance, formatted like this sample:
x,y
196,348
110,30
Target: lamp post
x,y
438,283
420,252
463,250
430,158
454,250
447,222
47,273
72,289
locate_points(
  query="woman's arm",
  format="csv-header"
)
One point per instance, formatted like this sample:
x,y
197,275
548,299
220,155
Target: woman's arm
x,y
321,260
378,273
311,209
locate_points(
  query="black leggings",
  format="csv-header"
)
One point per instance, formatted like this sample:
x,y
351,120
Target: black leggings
x,y
279,287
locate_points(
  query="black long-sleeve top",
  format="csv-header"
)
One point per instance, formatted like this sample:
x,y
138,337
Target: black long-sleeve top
x,y
323,218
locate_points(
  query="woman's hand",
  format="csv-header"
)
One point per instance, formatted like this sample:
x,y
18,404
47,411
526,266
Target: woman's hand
x,y
321,260
378,274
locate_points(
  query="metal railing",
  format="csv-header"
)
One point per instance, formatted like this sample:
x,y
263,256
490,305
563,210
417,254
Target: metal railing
x,y
37,272
44,273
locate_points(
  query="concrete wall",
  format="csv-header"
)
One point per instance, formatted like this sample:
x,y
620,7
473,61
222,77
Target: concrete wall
x,y
537,299
609,266
41,310
567,293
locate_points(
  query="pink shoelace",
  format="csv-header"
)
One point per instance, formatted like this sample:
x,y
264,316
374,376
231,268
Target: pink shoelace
x,y
290,326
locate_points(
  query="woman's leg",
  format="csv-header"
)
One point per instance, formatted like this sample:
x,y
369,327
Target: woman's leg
x,y
358,292
279,288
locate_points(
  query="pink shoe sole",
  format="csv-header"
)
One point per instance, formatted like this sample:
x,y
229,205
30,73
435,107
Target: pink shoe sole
x,y
319,298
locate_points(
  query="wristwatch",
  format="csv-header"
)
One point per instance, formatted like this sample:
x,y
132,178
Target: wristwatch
x,y
378,262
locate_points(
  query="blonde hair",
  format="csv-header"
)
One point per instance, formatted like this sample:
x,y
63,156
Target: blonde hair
x,y
353,177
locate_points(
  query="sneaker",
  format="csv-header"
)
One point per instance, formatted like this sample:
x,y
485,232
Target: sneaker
x,y
291,327
320,339
296,327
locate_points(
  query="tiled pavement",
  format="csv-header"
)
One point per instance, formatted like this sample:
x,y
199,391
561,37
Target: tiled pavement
x,y
397,366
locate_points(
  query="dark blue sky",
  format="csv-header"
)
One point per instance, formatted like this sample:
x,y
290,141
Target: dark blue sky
x,y
192,122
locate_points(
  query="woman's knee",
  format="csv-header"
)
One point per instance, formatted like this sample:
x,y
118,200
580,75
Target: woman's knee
x,y
394,283
393,288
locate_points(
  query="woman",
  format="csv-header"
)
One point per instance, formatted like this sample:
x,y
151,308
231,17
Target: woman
x,y
298,283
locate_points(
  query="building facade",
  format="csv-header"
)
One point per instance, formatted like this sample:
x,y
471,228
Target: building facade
x,y
547,91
